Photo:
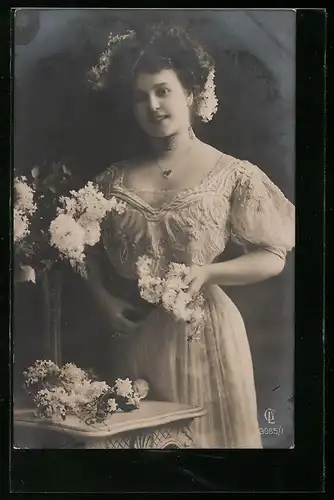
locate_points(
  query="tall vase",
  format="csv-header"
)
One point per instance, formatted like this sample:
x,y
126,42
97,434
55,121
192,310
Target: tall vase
x,y
52,291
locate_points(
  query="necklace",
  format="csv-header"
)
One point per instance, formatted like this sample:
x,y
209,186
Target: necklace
x,y
167,172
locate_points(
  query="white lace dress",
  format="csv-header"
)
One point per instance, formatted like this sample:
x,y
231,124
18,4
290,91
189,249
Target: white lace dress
x,y
235,200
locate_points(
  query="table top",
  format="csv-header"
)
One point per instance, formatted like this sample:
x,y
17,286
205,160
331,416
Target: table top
x,y
150,414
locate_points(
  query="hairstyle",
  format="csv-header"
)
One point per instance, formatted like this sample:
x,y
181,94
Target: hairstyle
x,y
152,50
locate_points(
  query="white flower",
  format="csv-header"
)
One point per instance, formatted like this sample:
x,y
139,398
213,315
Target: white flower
x,y
114,39
86,390
24,196
99,387
134,400
78,222
39,371
118,206
171,291
180,309
169,297
71,392
112,406
70,206
123,387
144,265
151,289
89,204
105,56
72,374
208,102
69,237
177,270
92,232
20,225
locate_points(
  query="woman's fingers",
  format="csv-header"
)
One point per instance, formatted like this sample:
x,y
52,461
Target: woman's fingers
x,y
125,325
194,287
189,278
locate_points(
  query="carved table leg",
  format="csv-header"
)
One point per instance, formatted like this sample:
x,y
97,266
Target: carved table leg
x,y
163,438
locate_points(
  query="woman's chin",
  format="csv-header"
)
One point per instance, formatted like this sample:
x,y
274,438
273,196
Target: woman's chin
x,y
160,134
159,131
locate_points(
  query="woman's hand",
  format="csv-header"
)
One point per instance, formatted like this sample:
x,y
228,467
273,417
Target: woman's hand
x,y
196,278
124,318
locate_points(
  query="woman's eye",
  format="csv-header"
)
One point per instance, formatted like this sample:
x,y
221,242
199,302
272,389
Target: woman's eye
x,y
162,92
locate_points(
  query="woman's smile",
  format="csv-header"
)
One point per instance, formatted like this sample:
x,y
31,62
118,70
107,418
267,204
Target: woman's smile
x,y
158,118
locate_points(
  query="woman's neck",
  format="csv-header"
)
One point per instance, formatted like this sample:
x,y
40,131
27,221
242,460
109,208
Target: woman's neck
x,y
174,143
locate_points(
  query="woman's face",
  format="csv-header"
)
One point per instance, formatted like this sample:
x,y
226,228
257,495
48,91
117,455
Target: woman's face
x,y
161,103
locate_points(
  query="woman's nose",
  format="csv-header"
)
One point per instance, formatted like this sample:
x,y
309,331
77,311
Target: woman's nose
x,y
154,102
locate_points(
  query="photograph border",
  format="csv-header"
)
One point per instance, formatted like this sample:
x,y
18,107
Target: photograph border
x,y
300,469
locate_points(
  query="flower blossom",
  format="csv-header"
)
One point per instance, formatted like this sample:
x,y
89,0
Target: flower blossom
x,y
208,103
70,373
69,237
123,387
171,291
39,371
112,406
20,225
24,196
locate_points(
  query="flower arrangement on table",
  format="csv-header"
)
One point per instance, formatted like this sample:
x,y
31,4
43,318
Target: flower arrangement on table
x,y
68,390
171,293
53,223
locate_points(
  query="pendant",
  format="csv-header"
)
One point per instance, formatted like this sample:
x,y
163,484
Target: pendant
x,y
166,173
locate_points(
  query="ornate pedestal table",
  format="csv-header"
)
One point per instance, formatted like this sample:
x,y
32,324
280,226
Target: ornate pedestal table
x,y
156,424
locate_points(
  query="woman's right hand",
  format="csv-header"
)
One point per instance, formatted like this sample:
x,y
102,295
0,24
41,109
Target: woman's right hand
x,y
125,319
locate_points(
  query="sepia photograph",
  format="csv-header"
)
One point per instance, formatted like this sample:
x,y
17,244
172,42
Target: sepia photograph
x,y
153,208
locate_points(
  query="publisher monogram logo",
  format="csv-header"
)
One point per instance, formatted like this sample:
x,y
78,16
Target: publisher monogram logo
x,y
269,415
271,430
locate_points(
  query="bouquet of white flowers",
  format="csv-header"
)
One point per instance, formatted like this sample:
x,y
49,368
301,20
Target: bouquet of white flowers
x,y
78,222
68,390
171,292
35,200
54,223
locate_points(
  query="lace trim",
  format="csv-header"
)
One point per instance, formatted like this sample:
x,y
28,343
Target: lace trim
x,y
208,183
178,191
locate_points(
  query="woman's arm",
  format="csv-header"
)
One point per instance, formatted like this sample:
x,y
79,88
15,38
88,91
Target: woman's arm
x,y
245,270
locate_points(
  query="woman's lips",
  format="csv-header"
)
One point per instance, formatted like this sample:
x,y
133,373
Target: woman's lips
x,y
157,119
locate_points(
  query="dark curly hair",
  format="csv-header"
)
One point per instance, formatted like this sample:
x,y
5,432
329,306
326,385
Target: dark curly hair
x,y
151,50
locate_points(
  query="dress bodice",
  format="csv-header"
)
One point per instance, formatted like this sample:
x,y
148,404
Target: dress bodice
x,y
235,200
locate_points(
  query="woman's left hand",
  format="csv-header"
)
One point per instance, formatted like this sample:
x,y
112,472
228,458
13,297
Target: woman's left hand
x,y
196,278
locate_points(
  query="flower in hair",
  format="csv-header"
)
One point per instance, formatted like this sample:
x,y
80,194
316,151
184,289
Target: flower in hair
x,y
208,102
104,59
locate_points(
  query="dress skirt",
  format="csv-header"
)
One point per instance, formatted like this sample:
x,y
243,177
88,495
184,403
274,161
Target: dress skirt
x,y
215,372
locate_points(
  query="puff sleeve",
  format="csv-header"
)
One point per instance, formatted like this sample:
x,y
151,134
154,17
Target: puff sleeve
x,y
261,215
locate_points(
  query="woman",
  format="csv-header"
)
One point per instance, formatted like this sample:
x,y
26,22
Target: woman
x,y
185,200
